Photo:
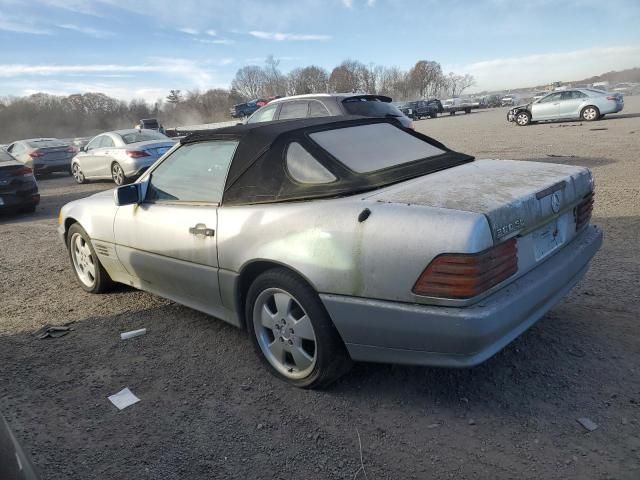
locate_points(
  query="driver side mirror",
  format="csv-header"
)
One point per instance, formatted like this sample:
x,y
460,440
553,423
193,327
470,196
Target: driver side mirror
x,y
128,194
84,149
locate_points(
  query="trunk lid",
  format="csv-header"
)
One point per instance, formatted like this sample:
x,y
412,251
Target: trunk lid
x,y
515,196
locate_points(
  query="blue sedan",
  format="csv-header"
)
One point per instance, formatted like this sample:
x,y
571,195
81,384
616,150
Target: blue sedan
x,y
576,104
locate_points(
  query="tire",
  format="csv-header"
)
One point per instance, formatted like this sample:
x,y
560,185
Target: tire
x,y
90,274
117,174
602,116
291,331
77,174
467,110
590,113
523,118
434,115
452,113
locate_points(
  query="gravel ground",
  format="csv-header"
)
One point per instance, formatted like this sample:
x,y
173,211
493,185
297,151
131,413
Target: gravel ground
x,y
209,410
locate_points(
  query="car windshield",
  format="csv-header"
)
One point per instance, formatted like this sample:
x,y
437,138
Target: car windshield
x,y
142,136
370,107
368,148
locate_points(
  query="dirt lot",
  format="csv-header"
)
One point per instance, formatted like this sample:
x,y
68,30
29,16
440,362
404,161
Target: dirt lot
x,y
209,410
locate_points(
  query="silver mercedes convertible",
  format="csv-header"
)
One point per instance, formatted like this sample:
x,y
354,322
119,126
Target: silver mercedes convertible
x,y
339,239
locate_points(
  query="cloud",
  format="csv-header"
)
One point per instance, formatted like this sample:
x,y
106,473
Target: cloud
x,y
371,3
87,30
218,41
189,31
348,3
21,24
543,68
280,36
211,33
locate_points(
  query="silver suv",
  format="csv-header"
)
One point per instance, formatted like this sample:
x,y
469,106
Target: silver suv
x,y
329,105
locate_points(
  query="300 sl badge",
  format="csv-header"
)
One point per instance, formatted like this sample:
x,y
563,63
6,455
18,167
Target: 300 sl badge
x,y
517,224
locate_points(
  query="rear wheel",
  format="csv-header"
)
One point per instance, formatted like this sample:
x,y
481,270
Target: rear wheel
x,y
292,332
92,277
117,173
523,118
590,113
467,110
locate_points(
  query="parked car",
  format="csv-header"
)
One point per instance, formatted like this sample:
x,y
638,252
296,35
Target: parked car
x,y
340,239
43,155
122,155
243,110
576,104
330,104
18,186
150,124
453,105
422,108
508,101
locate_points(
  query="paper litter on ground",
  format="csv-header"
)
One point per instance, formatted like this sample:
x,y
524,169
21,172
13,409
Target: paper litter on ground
x,y
123,398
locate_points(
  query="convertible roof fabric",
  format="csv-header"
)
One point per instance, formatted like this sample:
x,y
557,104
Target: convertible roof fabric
x,y
258,173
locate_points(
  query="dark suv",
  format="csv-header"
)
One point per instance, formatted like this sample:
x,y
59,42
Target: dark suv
x,y
329,105
422,108
242,110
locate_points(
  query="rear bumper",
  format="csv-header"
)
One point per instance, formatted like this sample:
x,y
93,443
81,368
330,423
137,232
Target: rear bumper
x,y
19,199
49,167
392,332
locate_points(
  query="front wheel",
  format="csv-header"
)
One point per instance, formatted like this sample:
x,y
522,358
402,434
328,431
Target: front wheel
x,y
117,174
292,332
590,113
523,118
77,174
89,272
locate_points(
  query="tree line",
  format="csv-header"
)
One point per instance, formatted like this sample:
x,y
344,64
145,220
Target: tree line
x,y
87,114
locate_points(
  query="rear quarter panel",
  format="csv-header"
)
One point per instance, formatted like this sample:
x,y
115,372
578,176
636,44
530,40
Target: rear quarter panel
x,y
324,241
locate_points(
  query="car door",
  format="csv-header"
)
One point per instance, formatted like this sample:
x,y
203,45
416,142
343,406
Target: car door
x,y
570,103
89,159
105,156
168,241
547,108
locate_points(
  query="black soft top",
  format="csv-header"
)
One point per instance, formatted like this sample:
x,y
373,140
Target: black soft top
x,y
258,173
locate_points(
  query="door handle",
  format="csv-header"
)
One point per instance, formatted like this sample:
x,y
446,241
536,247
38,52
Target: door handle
x,y
201,229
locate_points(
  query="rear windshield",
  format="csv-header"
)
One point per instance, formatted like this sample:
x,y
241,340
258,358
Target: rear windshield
x,y
368,148
370,107
47,143
150,124
143,136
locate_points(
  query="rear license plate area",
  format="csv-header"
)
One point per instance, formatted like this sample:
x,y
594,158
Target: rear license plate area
x,y
550,237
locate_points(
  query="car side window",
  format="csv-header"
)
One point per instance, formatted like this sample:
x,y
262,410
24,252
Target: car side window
x,y
107,142
317,109
265,114
293,110
576,95
551,98
303,168
195,172
18,149
95,143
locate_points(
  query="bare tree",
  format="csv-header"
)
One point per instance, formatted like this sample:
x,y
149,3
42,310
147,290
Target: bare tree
x,y
456,84
346,77
249,82
275,82
426,77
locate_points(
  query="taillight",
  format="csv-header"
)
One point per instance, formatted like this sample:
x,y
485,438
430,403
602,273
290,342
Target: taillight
x,y
36,154
21,171
612,97
137,153
465,275
411,125
73,149
584,210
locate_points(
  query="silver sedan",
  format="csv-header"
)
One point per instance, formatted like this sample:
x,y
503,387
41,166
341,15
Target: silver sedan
x,y
334,239
576,104
43,155
122,155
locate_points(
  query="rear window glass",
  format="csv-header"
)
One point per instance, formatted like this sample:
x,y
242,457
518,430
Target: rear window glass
x,y
368,107
368,148
47,143
142,136
304,168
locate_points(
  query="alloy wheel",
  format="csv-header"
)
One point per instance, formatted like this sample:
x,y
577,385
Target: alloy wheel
x,y
522,119
117,174
77,173
285,333
589,114
83,260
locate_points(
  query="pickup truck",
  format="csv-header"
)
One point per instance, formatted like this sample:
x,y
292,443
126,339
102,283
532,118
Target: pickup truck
x,y
453,105
422,108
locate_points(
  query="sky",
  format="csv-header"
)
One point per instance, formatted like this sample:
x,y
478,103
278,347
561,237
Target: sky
x,y
142,48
